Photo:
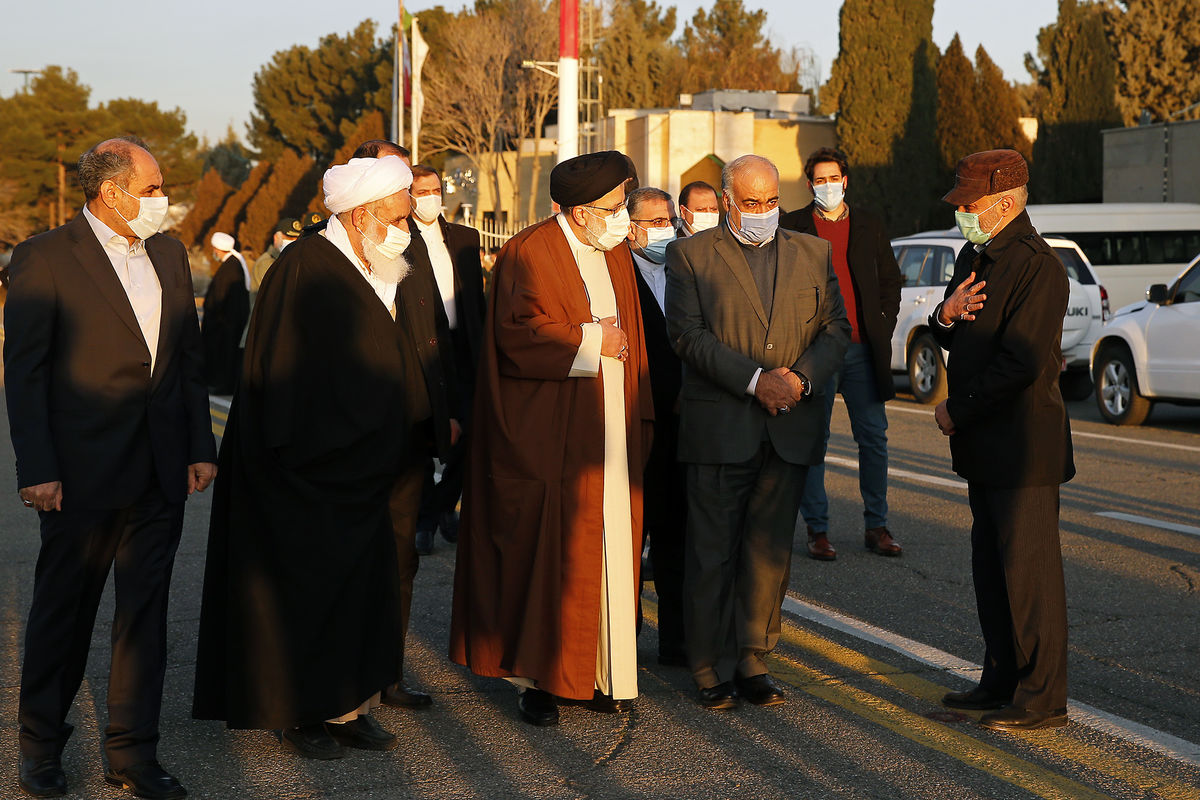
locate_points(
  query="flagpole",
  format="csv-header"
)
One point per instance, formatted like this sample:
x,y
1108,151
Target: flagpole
x,y
398,80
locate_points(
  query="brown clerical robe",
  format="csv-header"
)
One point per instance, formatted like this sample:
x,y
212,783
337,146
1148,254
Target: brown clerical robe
x,y
528,580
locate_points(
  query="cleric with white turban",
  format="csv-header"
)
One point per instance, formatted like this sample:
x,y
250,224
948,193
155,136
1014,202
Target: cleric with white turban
x,y
302,572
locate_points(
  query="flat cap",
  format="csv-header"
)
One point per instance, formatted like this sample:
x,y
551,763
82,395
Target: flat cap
x,y
989,172
289,226
580,180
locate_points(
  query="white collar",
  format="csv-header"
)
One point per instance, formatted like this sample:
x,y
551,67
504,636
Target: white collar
x,y
106,234
578,248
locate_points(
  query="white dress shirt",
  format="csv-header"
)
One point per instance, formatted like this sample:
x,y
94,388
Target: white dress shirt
x,y
443,269
136,273
335,232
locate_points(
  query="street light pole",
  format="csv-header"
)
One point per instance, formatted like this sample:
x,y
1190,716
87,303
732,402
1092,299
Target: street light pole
x,y
568,80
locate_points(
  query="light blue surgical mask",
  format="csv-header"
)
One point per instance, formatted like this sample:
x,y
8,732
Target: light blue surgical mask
x,y
657,240
968,225
757,228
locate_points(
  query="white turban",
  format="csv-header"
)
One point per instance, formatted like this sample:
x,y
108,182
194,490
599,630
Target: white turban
x,y
221,241
362,180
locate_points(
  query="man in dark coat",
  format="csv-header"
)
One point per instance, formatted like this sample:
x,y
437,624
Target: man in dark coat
x,y
664,486
301,590
226,311
1010,438
111,430
757,320
870,282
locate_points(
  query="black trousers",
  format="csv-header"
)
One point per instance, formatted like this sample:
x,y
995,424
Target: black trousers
x,y
1016,561
738,555
404,503
78,548
664,514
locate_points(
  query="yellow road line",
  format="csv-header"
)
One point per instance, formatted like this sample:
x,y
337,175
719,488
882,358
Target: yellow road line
x,y
1005,766
1062,746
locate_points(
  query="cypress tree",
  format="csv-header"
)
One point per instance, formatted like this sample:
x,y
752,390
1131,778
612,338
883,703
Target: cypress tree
x,y
883,89
1077,99
959,130
210,196
1158,49
234,209
290,178
999,107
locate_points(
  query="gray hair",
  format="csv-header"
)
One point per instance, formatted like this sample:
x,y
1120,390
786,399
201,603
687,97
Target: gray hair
x,y
644,195
111,160
741,164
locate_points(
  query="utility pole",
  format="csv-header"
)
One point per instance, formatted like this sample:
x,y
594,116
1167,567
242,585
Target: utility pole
x,y
398,78
568,80
26,73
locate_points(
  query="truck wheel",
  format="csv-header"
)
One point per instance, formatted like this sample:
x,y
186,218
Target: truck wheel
x,y
1117,394
927,370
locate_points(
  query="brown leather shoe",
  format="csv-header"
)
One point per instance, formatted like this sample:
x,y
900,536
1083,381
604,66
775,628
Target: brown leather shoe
x,y
879,540
819,546
1016,719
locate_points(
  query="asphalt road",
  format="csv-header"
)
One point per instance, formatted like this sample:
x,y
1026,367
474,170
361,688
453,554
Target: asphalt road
x,y
870,645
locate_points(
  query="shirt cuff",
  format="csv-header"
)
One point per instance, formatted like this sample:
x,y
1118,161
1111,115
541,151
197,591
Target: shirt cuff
x,y
937,319
587,358
754,382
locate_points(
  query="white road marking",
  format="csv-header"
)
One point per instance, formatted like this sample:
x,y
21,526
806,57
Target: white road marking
x,y
1187,448
1118,727
953,483
1177,527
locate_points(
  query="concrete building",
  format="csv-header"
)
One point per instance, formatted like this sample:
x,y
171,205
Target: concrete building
x,y
673,146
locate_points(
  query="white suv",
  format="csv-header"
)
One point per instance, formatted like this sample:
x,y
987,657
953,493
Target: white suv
x,y
1150,351
927,263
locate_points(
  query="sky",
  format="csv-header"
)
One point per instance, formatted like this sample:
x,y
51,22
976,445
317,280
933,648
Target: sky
x,y
201,57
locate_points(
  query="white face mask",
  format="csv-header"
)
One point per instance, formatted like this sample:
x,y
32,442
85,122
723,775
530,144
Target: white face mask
x,y
616,228
283,244
152,211
657,239
829,195
394,243
427,207
704,220
757,228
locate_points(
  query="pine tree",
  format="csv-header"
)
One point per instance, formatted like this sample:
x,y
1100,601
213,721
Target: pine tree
x,y
1158,50
999,108
1077,99
234,209
959,129
282,195
727,48
211,194
642,68
883,89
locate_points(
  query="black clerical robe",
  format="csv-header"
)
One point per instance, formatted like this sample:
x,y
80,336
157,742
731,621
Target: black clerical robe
x,y
301,587
226,309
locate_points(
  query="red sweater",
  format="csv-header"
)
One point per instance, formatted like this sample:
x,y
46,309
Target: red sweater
x,y
838,236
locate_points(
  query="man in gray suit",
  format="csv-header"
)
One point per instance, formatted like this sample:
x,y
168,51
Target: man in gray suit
x,y
758,321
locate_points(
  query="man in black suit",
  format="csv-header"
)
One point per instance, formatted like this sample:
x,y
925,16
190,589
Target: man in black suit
x,y
1001,321
109,420
870,282
449,254
664,487
758,322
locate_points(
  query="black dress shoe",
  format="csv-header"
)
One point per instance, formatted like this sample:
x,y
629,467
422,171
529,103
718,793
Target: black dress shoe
x,y
721,697
604,704
362,733
148,780
43,777
1023,719
977,699
538,707
401,696
312,741
760,690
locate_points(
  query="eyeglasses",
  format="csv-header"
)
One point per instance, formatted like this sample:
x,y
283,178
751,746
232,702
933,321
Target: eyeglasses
x,y
657,222
612,212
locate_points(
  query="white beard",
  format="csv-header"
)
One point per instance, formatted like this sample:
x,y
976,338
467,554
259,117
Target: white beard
x,y
388,270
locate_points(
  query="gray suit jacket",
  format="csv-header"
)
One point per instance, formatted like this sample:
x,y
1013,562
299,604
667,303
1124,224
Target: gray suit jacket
x,y
723,334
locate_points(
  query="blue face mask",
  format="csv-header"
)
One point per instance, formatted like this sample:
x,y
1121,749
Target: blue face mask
x,y
757,228
657,240
968,225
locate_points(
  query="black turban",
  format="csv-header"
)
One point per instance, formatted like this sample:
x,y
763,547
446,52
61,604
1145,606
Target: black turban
x,y
583,179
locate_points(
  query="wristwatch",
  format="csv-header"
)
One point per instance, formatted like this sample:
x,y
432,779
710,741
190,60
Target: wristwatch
x,y
804,382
